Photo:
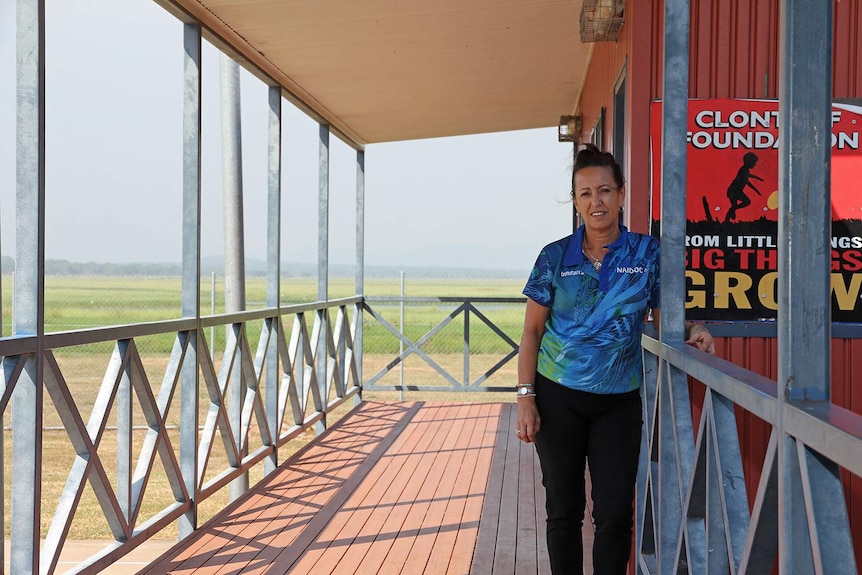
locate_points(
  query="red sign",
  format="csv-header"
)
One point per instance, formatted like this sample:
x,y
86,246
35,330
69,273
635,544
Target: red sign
x,y
732,208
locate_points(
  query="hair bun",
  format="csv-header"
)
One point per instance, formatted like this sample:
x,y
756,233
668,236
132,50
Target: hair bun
x,y
590,156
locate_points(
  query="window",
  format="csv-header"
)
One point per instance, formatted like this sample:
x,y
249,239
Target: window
x,y
619,136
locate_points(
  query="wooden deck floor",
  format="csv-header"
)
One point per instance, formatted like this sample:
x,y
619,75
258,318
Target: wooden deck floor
x,y
392,488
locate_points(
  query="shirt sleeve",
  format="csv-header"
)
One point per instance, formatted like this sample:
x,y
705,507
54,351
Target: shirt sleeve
x,y
540,286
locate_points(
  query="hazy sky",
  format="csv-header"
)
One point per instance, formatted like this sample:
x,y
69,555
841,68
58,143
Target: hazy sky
x,y
114,159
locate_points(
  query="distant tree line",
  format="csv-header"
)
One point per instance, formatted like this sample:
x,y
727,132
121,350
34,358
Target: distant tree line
x,y
256,268
68,268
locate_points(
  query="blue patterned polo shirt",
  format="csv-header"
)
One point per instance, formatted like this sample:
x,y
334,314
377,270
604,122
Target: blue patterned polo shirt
x,y
593,333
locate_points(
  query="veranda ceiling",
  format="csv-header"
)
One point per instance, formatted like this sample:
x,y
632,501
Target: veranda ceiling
x,y
388,70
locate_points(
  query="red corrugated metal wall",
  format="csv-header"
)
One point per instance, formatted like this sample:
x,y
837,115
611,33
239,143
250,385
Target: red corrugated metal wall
x,y
734,54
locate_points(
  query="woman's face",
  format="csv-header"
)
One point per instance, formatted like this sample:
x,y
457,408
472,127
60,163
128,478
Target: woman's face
x,y
597,198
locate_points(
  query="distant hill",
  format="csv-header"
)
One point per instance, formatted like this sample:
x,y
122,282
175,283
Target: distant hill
x,y
257,268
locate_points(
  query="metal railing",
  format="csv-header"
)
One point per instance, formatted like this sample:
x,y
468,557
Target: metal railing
x,y
693,511
692,507
452,309
275,380
272,365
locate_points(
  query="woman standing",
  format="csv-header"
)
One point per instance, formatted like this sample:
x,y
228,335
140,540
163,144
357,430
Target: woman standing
x,y
580,367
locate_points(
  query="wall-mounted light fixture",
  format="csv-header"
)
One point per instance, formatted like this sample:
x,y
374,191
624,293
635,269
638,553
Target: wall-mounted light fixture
x,y
601,20
569,129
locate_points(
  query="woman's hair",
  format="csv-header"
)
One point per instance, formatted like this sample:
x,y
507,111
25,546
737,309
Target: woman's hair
x,y
590,156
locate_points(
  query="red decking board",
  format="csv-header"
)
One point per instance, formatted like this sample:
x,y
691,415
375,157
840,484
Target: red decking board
x,y
279,509
412,548
452,499
465,542
359,517
284,549
460,520
393,488
416,456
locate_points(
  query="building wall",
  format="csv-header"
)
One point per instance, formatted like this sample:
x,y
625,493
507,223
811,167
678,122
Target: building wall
x,y
734,54
608,61
734,49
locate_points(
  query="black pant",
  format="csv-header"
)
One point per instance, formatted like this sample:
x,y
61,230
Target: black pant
x,y
605,431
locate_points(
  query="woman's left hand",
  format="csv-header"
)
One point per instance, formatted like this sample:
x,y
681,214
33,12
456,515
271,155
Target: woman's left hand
x,y
699,337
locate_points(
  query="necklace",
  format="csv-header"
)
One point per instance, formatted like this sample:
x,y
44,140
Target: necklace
x,y
596,263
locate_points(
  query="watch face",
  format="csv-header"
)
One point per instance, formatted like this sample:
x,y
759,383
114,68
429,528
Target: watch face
x,y
523,390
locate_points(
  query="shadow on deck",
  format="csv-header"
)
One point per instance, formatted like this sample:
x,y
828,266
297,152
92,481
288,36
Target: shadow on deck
x,y
391,488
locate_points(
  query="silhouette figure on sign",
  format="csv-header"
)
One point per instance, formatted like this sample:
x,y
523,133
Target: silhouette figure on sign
x,y
736,190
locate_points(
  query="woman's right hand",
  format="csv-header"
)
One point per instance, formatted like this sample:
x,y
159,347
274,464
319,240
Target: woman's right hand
x,y
529,421
535,317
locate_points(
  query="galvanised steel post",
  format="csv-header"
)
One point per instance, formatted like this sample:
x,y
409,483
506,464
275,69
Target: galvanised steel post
x,y
273,268
323,265
805,120
191,290
234,250
676,450
29,291
673,172
804,304
360,265
232,185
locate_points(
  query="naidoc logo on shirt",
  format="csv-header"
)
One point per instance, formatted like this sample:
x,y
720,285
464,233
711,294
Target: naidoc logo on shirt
x,y
631,270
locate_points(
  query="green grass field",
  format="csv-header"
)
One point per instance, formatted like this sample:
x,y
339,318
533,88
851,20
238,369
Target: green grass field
x,y
74,303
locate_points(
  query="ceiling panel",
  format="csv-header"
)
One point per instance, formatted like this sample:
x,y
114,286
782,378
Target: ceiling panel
x,y
387,70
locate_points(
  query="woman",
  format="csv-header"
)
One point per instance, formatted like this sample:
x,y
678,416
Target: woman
x,y
580,367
